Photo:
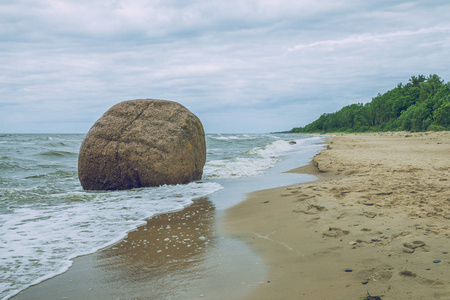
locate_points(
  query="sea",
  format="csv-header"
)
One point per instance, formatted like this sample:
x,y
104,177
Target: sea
x,y
47,219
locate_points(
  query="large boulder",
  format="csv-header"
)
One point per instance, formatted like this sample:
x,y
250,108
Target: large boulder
x,y
141,143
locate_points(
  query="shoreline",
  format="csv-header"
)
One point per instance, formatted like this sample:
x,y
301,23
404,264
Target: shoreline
x,y
375,223
296,241
176,255
220,265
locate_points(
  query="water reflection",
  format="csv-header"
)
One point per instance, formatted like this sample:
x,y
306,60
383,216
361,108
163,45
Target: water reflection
x,y
174,256
166,254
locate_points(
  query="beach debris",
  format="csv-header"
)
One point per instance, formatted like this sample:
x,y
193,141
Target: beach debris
x,y
369,297
444,252
436,261
292,142
408,273
348,270
265,202
364,282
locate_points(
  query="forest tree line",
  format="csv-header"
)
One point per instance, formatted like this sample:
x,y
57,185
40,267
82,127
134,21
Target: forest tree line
x,y
420,105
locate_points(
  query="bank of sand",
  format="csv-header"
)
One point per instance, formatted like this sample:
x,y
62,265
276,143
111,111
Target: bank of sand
x,y
381,209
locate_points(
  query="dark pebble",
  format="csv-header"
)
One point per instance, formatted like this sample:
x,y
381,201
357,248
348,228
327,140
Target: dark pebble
x,y
445,252
348,270
428,269
436,261
428,229
365,282
266,201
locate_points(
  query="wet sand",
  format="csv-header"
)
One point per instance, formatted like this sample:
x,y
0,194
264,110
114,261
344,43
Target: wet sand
x,y
180,255
376,223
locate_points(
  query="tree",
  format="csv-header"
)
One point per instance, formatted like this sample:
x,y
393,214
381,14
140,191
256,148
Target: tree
x,y
421,104
442,115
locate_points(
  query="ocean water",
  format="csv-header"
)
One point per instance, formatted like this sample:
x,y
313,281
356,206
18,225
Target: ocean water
x,y
47,219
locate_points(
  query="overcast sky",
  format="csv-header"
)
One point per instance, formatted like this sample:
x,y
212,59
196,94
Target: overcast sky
x,y
240,66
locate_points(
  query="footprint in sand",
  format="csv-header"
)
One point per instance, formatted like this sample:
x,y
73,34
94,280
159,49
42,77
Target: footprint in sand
x,y
369,214
290,193
312,209
381,273
303,197
411,247
335,232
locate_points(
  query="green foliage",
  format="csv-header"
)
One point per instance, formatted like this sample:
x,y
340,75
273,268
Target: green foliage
x,y
421,104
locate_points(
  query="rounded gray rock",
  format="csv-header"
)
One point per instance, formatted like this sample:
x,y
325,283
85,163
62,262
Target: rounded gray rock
x,y
142,143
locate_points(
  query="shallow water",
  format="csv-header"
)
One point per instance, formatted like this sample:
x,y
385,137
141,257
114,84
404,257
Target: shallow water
x,y
47,219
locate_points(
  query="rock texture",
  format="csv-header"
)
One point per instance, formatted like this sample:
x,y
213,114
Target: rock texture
x,y
141,143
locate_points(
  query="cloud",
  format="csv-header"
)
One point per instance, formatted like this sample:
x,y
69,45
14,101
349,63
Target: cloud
x,y
354,40
232,62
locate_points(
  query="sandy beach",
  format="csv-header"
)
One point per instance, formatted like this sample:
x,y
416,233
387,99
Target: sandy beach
x,y
375,223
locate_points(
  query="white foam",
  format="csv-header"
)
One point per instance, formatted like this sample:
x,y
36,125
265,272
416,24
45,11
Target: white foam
x,y
221,137
258,159
237,167
47,219
224,138
39,242
283,147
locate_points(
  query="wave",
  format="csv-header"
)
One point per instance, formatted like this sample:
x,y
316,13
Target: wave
x,y
225,138
56,153
283,147
221,137
254,161
81,223
5,165
237,167
57,174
